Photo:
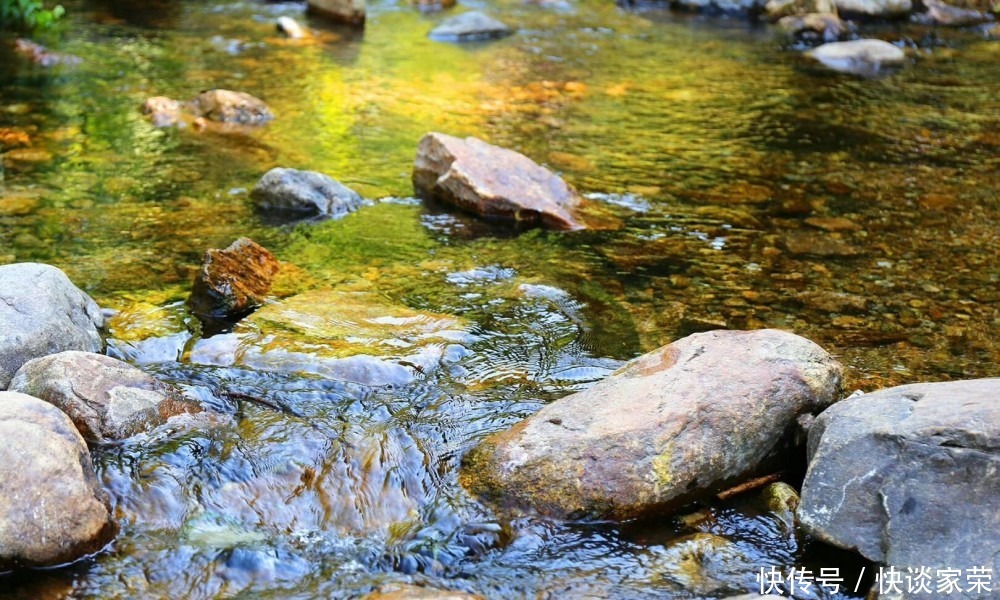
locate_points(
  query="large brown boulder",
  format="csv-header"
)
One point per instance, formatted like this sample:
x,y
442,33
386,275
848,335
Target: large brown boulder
x,y
492,182
233,282
41,313
684,421
106,398
52,508
910,477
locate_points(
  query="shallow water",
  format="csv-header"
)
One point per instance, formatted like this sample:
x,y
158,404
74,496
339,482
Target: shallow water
x,y
732,184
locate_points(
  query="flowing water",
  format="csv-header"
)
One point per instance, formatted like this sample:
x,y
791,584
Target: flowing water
x,y
731,184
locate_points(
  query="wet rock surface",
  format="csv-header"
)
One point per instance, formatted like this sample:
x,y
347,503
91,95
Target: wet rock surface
x,y
52,508
469,27
347,335
493,182
399,591
233,282
42,313
228,109
106,399
350,12
675,424
900,471
874,8
304,192
863,57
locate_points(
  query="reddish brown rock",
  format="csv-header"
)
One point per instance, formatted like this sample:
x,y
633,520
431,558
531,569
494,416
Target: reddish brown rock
x,y
233,282
52,507
107,399
492,182
682,422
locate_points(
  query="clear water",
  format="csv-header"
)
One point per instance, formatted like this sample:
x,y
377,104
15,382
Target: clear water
x,y
731,184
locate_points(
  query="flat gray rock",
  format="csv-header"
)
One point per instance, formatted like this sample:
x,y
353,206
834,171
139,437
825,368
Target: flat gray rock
x,y
42,313
468,27
682,422
910,477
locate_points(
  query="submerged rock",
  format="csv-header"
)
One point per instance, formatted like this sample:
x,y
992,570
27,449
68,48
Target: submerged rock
x,y
679,423
306,192
52,507
350,12
344,335
492,182
42,313
400,591
468,27
42,56
106,398
908,477
219,106
233,282
865,57
226,106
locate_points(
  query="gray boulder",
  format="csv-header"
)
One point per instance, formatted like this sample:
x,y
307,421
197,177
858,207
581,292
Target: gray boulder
x,y
492,182
874,8
468,27
863,57
106,398
306,192
910,477
52,507
681,422
42,313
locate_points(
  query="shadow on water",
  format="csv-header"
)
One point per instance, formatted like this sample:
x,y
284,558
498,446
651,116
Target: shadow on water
x,y
735,188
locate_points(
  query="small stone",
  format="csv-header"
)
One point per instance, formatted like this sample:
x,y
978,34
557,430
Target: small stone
x,y
804,243
233,282
291,28
864,57
227,106
349,12
307,192
492,182
468,27
837,224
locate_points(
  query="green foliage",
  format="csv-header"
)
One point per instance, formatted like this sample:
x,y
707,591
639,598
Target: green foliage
x,y
27,14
